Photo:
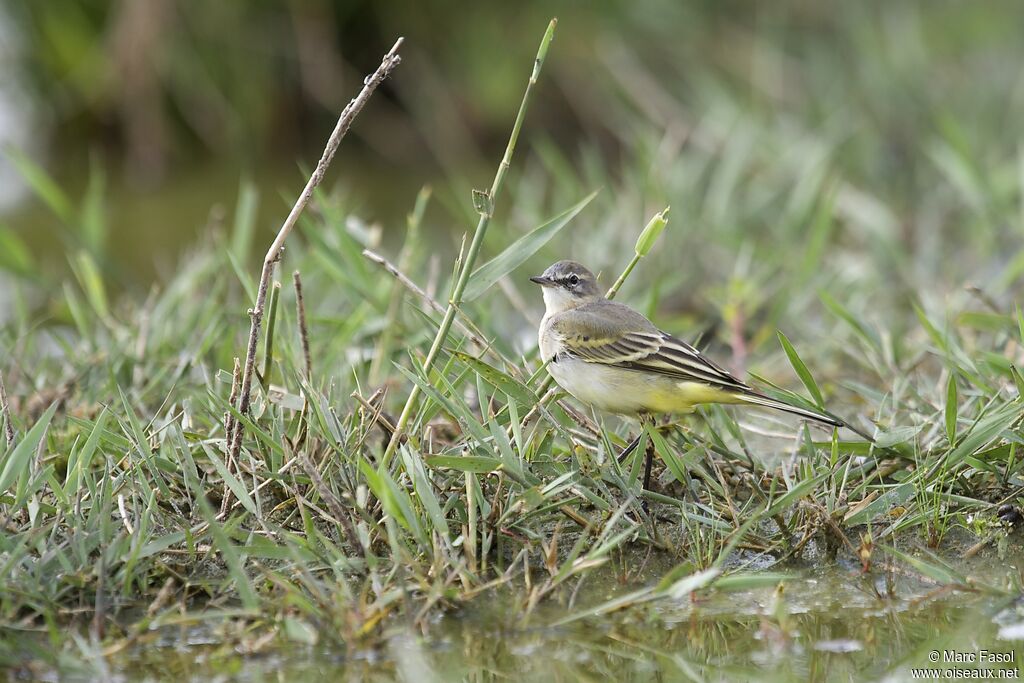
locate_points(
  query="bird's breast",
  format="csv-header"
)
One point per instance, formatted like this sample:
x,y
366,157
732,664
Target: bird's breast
x,y
614,390
547,339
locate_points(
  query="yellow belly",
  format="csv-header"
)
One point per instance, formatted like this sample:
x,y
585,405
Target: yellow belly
x,y
683,396
628,392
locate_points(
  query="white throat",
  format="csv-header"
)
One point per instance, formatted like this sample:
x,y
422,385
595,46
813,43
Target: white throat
x,y
557,299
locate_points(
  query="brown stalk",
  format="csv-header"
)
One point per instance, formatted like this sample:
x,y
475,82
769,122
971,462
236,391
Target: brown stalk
x,y
332,501
229,420
390,61
300,303
5,414
230,425
474,335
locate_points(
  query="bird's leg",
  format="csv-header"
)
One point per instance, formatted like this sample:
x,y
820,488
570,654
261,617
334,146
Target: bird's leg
x,y
647,465
648,458
646,420
629,449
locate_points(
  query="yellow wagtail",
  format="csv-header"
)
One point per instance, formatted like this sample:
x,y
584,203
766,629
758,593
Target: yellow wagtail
x,y
612,357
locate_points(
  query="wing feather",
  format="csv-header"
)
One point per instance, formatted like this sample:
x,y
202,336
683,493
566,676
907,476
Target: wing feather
x,y
625,339
619,336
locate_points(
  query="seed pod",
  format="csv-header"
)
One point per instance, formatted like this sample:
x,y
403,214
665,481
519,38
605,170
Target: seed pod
x,y
650,235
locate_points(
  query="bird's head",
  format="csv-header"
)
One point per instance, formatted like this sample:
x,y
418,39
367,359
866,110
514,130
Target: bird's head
x,y
566,285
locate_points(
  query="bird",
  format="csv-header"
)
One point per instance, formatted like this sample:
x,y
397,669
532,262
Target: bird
x,y
612,357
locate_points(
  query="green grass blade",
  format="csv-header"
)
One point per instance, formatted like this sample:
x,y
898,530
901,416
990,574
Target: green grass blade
x,y
801,370
93,225
984,431
465,463
424,489
92,284
245,220
15,256
84,457
520,250
18,459
932,568
501,381
43,185
951,409
894,497
227,550
233,483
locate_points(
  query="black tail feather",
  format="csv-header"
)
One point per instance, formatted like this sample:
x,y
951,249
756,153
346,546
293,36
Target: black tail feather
x,y
817,416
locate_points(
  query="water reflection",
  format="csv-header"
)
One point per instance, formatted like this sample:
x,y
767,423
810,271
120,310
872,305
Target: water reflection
x,y
823,627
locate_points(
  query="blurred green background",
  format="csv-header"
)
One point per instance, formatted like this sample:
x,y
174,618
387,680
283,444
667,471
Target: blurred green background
x,y
904,115
848,172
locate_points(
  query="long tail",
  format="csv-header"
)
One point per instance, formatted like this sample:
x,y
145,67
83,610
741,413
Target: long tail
x,y
761,400
822,417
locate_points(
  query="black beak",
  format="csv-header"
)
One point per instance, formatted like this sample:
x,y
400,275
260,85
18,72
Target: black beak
x,y
541,280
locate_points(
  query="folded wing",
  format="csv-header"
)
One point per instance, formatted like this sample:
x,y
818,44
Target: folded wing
x,y
632,342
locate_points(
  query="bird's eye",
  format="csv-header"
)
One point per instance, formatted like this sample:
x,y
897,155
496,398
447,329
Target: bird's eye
x,y
574,280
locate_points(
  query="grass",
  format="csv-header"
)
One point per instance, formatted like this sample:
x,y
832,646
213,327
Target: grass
x,y
122,512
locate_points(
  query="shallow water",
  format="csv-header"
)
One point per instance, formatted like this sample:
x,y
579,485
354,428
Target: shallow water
x,y
825,625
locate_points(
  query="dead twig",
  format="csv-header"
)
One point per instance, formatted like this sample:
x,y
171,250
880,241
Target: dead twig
x,y
390,61
300,304
229,420
268,351
5,414
329,497
473,335
230,425
374,406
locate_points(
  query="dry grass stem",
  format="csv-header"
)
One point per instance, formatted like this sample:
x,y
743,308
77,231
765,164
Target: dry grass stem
x,y
5,414
404,280
300,305
390,61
